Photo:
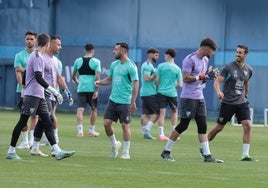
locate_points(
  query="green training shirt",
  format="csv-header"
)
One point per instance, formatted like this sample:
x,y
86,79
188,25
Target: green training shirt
x,y
122,74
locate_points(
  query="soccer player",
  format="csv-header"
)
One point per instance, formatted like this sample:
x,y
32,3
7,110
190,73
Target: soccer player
x,y
88,67
54,78
194,70
168,80
148,93
124,78
235,76
34,103
20,64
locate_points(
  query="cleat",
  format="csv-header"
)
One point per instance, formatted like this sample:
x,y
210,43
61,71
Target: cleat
x,y
247,158
52,153
23,145
115,149
64,154
80,135
125,156
166,155
12,156
147,135
93,134
35,152
210,159
163,138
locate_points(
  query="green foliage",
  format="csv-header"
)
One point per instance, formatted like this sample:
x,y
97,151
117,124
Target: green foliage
x,y
91,166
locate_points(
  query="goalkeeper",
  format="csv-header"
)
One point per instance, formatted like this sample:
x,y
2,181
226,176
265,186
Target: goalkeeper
x,y
195,73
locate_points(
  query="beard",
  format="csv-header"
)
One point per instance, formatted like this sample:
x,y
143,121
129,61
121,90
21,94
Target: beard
x,y
117,56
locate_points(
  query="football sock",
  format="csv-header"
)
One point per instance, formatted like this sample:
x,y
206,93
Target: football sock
x,y
92,128
161,130
112,139
205,147
169,145
246,149
11,149
126,146
80,129
149,125
25,136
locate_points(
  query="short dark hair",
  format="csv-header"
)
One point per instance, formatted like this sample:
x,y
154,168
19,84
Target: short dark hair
x,y
89,47
243,47
152,50
29,32
171,52
43,39
123,45
54,37
209,43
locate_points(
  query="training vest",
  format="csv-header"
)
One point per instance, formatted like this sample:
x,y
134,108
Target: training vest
x,y
85,68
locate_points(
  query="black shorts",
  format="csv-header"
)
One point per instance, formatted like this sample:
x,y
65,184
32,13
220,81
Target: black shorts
x,y
226,112
165,101
33,106
85,98
115,111
50,105
150,105
190,108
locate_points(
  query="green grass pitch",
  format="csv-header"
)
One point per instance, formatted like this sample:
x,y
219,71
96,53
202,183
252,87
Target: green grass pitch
x,y
92,167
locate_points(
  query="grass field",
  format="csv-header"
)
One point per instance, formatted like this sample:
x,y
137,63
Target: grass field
x,y
91,166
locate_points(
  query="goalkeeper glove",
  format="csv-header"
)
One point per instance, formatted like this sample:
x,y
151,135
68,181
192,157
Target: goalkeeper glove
x,y
56,94
69,96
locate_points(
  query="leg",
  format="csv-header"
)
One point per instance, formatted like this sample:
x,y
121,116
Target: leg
x,y
93,118
174,118
79,117
212,134
34,120
161,121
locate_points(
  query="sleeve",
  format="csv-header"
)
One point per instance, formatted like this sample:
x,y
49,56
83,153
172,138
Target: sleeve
x,y
133,72
224,71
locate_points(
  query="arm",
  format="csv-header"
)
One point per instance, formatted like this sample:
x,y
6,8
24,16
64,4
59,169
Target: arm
x,y
148,78
19,71
74,77
135,90
246,88
97,78
62,84
217,88
179,84
105,81
187,78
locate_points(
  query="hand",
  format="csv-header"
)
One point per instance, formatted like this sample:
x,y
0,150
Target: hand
x,y
69,96
56,94
133,107
59,98
211,74
95,95
220,95
97,84
47,94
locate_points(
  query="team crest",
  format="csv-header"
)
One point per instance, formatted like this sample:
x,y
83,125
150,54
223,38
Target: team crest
x,y
220,119
246,73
